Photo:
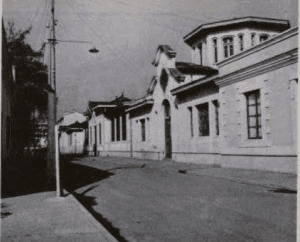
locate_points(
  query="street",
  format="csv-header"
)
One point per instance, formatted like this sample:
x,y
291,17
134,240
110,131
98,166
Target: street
x,y
140,200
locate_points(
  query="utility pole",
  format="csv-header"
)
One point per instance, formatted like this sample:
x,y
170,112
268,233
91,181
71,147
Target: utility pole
x,y
53,166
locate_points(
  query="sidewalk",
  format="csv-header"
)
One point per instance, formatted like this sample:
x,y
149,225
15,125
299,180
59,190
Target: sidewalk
x,y
45,217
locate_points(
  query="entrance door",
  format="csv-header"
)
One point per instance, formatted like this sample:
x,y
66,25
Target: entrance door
x,y
168,138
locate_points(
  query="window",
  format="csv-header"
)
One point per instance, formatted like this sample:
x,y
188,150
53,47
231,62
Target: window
x,y
124,127
215,42
191,120
100,135
241,42
254,115
143,129
203,119
91,136
70,139
263,37
228,46
252,39
217,107
200,53
118,129
112,129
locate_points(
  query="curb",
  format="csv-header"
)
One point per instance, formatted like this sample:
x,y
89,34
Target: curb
x,y
98,225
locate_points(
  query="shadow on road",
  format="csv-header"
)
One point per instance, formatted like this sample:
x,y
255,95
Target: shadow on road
x,y
76,176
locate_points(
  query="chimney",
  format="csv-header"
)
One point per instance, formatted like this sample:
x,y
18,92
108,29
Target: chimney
x,y
13,71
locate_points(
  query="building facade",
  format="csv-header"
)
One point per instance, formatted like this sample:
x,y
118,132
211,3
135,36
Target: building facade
x,y
234,105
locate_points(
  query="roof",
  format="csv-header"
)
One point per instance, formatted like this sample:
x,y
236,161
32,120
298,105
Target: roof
x,y
250,21
73,127
119,101
167,49
194,69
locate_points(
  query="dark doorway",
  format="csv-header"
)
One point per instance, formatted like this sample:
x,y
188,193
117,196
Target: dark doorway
x,y
168,137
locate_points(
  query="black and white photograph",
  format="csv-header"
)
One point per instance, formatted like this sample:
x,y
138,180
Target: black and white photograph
x,y
149,121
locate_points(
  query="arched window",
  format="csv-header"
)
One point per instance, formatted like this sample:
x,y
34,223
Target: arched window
x,y
241,42
228,46
215,42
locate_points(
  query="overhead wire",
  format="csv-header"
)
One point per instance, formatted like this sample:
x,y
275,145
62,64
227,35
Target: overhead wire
x,y
106,43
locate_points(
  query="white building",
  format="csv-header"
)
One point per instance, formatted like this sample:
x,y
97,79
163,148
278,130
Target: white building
x,y
234,105
72,137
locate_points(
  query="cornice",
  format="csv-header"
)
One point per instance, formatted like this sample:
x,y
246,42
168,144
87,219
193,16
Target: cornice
x,y
277,62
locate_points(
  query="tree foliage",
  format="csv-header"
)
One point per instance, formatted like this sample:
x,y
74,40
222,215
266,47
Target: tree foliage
x,y
31,80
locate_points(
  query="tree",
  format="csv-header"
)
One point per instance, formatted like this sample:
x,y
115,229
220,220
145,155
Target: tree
x,y
31,86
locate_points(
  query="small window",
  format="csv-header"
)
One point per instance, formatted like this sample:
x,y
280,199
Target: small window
x,y
228,46
215,42
191,120
263,37
241,42
143,129
70,139
217,107
252,39
203,119
254,114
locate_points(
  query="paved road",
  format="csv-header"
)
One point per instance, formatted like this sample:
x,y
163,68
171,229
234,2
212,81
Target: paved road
x,y
139,200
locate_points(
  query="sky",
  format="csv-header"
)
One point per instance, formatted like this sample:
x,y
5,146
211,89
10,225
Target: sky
x,y
127,34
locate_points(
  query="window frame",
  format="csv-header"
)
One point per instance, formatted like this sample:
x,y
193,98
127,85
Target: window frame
x,y
241,42
257,115
143,129
215,46
203,119
228,47
191,116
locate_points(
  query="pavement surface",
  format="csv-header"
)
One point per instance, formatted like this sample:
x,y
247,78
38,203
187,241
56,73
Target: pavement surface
x,y
149,201
41,216
44,217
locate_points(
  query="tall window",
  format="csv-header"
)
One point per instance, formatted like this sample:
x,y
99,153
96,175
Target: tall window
x,y
241,42
100,134
254,114
91,136
217,107
124,127
252,39
112,129
70,139
118,129
143,129
200,53
203,119
215,42
263,37
191,120
228,46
